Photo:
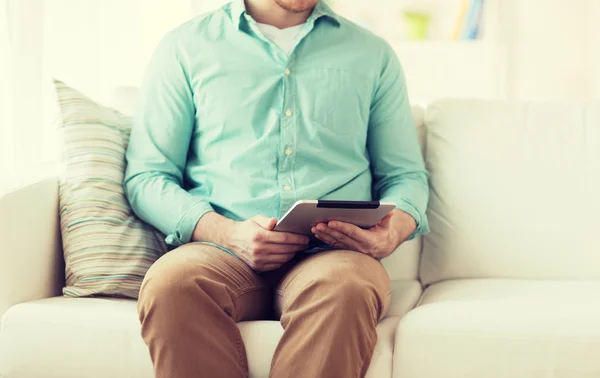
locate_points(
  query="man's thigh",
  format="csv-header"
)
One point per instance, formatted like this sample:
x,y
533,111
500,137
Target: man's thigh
x,y
224,278
332,270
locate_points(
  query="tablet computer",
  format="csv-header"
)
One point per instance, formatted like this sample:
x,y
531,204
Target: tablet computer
x,y
305,214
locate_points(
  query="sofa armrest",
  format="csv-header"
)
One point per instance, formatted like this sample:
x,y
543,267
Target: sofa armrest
x,y
31,262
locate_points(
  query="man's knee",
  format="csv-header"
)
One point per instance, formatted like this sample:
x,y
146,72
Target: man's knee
x,y
347,280
352,272
173,278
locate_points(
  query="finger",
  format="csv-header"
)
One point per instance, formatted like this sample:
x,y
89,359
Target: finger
x,y
325,238
286,238
275,261
337,235
341,238
330,240
269,267
265,222
350,230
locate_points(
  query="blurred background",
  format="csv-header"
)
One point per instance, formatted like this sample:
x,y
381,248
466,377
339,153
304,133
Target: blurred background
x,y
505,49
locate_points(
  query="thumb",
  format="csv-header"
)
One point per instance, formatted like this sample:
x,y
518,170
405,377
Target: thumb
x,y
264,222
385,222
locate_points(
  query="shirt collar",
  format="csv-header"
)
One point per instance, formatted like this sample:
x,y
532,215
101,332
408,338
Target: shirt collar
x,y
323,10
238,9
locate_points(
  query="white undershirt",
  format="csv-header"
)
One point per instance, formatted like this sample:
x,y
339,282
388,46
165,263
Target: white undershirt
x,y
286,39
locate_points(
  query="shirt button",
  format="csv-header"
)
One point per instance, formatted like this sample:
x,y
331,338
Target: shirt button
x,y
289,112
288,151
287,71
287,188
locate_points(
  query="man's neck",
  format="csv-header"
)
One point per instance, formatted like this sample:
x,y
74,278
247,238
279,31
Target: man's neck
x,y
269,12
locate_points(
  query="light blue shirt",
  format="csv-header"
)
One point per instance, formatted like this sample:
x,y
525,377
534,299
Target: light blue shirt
x,y
228,122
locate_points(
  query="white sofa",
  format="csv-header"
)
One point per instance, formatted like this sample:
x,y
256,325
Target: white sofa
x,y
511,269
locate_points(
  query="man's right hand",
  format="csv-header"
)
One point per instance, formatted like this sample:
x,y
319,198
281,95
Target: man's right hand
x,y
263,249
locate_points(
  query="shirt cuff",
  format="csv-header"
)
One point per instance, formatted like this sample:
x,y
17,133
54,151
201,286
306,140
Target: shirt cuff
x,y
186,225
420,219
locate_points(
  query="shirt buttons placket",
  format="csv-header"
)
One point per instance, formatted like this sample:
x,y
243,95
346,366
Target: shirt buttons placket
x,y
287,144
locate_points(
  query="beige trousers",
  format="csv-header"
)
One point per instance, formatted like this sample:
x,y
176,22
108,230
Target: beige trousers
x,y
328,304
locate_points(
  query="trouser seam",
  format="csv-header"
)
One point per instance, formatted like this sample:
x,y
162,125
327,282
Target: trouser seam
x,y
238,294
241,354
368,358
239,342
280,290
385,310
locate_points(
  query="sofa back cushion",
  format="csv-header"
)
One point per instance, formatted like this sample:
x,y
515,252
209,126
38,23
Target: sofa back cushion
x,y
515,190
403,264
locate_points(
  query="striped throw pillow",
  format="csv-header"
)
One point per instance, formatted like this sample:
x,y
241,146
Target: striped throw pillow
x,y
107,248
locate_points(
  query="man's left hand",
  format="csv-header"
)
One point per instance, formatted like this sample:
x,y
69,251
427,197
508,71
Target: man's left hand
x,y
378,241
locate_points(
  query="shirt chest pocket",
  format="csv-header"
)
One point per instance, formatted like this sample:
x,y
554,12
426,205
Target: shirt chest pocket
x,y
340,100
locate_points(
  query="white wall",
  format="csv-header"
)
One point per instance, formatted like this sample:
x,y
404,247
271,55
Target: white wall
x,y
92,45
437,70
594,59
6,98
112,43
549,47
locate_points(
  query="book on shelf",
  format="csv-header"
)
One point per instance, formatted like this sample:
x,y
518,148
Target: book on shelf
x,y
468,25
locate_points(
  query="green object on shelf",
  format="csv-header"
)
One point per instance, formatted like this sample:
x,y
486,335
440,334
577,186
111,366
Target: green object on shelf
x,y
416,25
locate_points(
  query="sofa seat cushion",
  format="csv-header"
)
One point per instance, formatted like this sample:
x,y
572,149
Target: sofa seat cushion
x,y
96,337
405,295
73,337
502,328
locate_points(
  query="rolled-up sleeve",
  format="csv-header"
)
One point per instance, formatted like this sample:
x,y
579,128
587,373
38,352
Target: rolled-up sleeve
x,y
396,161
158,148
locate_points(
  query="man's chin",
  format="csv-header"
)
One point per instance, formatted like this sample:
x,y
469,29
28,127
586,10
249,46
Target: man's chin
x,y
296,8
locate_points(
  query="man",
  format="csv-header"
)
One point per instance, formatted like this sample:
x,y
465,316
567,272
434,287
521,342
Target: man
x,y
243,112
